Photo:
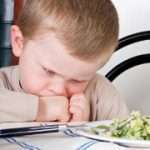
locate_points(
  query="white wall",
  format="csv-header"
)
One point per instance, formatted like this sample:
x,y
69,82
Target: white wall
x,y
134,17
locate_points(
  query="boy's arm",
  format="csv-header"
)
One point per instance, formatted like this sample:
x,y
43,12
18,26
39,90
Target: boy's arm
x,y
17,106
107,102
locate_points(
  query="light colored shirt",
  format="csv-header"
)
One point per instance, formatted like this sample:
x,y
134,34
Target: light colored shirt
x,y
16,105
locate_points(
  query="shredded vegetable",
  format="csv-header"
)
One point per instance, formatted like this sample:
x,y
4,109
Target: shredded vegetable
x,y
136,127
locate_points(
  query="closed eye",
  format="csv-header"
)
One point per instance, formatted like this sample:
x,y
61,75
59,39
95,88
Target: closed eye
x,y
77,81
49,71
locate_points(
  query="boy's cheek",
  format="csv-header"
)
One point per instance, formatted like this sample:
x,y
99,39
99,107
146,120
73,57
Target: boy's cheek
x,y
32,85
77,89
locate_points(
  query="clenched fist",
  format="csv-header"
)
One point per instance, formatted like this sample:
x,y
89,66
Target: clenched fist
x,y
79,108
53,108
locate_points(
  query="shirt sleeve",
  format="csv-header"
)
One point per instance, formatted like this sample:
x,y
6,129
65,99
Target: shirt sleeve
x,y
109,103
16,106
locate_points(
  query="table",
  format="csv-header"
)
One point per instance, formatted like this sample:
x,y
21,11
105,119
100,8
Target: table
x,y
55,141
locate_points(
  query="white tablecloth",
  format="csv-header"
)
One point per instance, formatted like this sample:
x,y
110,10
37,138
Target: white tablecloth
x,y
56,141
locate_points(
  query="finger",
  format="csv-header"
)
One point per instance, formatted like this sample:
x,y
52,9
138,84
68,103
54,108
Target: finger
x,y
78,103
64,117
78,96
77,113
80,113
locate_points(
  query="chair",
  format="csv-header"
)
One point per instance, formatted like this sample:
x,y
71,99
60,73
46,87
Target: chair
x,y
6,19
131,63
134,61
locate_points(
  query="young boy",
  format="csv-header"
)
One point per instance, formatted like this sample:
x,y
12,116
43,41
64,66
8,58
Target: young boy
x,y
61,44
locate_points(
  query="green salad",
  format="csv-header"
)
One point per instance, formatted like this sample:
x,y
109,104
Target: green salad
x,y
136,127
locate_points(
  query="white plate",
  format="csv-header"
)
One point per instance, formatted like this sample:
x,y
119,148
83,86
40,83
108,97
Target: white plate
x,y
121,141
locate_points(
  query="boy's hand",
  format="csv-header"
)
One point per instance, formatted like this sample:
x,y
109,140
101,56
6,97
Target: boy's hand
x,y
79,108
53,108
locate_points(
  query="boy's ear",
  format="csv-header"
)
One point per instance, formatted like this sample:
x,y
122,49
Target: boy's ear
x,y
17,40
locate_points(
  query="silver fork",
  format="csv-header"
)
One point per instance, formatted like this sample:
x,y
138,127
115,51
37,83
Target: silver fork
x,y
44,128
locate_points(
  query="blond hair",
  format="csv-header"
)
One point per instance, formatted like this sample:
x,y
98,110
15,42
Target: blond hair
x,y
85,27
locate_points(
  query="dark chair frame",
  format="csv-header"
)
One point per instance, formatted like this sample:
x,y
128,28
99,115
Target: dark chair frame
x,y
133,61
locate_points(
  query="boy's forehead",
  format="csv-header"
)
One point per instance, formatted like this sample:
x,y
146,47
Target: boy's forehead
x,y
69,66
55,56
